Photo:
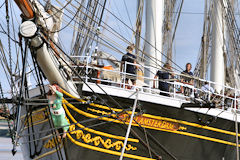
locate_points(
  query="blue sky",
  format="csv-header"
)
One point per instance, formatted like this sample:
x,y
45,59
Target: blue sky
x,y
189,33
187,40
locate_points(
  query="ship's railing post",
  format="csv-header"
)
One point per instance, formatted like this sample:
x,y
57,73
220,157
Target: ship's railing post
x,y
124,75
129,126
86,79
174,89
223,96
150,87
209,96
236,122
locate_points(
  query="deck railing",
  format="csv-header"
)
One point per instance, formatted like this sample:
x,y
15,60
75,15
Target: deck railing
x,y
228,96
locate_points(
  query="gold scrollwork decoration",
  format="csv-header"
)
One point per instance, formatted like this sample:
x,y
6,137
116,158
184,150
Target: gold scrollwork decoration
x,y
108,144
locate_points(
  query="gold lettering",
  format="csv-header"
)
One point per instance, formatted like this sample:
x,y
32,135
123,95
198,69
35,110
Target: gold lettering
x,y
51,143
155,124
163,124
148,121
171,126
34,118
145,121
159,124
153,121
141,121
166,125
137,119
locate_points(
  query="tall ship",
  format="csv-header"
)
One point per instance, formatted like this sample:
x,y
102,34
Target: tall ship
x,y
121,98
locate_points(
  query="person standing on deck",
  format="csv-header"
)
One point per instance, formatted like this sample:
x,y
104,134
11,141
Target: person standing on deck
x,y
189,73
57,112
130,68
187,79
163,75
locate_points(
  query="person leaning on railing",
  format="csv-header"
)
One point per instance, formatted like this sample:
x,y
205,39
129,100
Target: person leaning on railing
x,y
163,75
130,69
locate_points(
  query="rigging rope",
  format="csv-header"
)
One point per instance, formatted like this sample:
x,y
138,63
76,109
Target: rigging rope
x,y
79,122
141,37
2,5
128,13
147,55
153,73
9,46
123,53
68,104
102,90
175,28
8,117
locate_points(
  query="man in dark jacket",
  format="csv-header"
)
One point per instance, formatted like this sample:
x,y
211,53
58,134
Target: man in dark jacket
x,y
130,68
163,75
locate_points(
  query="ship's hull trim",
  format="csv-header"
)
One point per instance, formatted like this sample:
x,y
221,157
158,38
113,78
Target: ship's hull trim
x,y
185,134
161,100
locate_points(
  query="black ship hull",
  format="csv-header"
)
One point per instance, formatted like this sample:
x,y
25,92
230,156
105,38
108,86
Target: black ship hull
x,y
158,131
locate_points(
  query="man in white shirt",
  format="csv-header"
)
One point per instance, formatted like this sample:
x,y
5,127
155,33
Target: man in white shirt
x,y
207,88
207,91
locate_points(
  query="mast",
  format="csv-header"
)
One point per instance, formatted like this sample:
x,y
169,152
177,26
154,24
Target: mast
x,y
138,27
217,60
26,8
153,36
204,43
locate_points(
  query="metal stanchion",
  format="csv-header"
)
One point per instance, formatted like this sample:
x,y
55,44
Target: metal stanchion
x,y
129,126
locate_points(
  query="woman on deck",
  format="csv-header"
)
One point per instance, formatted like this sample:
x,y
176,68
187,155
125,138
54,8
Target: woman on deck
x,y
57,112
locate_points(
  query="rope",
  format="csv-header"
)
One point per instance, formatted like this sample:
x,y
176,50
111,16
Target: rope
x,y
28,128
142,37
14,36
80,77
53,131
148,146
79,122
107,95
106,41
81,128
128,13
154,139
2,5
29,108
147,55
175,28
5,110
9,46
101,16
